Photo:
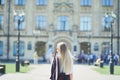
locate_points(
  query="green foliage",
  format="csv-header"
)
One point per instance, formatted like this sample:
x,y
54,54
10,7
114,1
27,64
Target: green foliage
x,y
11,68
106,70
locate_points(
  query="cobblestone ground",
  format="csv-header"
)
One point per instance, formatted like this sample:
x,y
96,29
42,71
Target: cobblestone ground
x,y
42,72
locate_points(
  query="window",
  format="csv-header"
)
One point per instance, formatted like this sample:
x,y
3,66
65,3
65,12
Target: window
x,y
107,2
1,48
41,2
20,2
75,48
22,23
85,2
85,24
1,22
106,47
21,48
1,2
63,23
106,24
50,46
96,47
29,46
41,22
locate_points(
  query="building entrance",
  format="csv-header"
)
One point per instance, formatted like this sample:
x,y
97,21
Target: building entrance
x,y
40,48
86,47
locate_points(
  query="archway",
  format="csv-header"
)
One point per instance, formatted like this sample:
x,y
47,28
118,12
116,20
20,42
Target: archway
x,y
63,39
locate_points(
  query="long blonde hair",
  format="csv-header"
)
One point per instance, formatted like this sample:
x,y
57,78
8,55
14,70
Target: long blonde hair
x,y
65,58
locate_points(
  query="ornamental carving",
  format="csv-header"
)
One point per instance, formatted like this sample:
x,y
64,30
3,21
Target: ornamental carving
x,y
41,8
62,0
63,7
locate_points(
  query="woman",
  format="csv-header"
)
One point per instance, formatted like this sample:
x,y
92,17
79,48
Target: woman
x,y
62,63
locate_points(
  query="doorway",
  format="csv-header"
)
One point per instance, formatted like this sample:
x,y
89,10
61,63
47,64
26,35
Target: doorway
x,y
40,48
86,47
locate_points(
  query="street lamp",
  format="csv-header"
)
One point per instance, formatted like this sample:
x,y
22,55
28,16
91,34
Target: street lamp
x,y
20,15
89,60
8,29
109,20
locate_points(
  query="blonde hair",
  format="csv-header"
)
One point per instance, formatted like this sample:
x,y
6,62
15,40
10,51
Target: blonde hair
x,y
65,58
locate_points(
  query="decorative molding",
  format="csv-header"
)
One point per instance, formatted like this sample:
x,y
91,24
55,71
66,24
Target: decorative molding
x,y
41,8
62,1
19,7
86,9
107,9
63,7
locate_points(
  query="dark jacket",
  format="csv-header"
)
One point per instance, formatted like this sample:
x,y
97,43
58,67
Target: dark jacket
x,y
53,71
53,68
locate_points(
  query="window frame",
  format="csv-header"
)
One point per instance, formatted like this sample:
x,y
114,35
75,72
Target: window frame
x,y
22,23
85,2
22,48
85,23
29,46
63,23
41,2
107,3
1,22
96,46
41,22
20,2
2,2
1,48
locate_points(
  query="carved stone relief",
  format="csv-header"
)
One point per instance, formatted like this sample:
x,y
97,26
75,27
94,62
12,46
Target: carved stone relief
x,y
41,8
63,7
62,0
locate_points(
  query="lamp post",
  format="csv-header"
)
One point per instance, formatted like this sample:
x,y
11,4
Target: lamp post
x,y
118,24
8,30
89,60
20,16
109,20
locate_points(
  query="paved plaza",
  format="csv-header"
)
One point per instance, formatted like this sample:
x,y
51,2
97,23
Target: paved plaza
x,y
42,72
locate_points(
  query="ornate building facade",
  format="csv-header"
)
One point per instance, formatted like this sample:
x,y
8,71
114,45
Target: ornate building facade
x,y
80,23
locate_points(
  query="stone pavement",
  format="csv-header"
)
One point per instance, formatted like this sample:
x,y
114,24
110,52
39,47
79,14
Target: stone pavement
x,y
42,72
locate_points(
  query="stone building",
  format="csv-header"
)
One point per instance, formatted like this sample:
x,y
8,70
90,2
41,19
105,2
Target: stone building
x,y
80,23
